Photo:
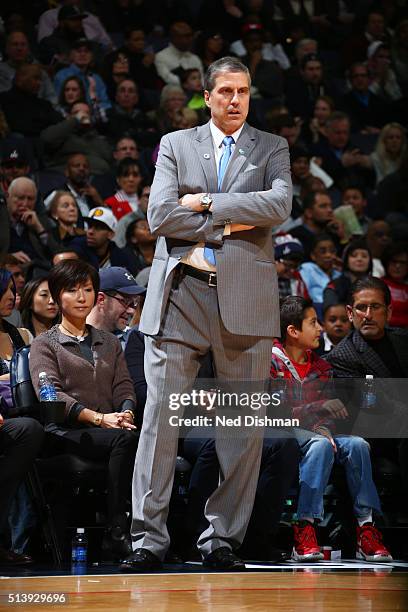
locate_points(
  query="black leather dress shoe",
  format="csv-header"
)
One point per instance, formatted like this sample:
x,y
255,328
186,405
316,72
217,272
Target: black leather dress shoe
x,y
140,561
9,557
223,559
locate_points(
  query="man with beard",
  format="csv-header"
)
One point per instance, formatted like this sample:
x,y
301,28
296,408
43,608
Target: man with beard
x,y
73,134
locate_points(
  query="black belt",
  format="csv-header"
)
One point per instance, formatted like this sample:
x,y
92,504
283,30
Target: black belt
x,y
208,277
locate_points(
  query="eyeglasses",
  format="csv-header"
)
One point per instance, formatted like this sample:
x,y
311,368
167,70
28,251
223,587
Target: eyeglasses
x,y
130,303
362,309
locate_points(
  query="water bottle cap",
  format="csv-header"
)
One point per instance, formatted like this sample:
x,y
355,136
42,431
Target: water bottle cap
x,y
80,530
42,374
369,377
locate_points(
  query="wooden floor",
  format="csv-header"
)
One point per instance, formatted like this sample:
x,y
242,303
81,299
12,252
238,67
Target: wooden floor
x,y
364,591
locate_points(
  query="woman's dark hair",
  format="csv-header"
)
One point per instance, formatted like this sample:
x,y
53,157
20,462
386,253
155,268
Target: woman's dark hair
x,y
126,165
68,274
5,277
61,99
26,303
391,251
354,245
130,228
292,312
371,282
322,238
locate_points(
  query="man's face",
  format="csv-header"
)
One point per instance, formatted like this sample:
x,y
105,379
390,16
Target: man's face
x,y
375,25
118,310
136,41
81,57
73,25
300,168
141,233
229,101
98,234
181,36
338,133
336,323
360,79
378,236
355,198
291,134
324,254
308,337
253,42
77,170
11,170
287,266
369,313
21,200
312,72
17,47
126,148
322,210
18,276
126,95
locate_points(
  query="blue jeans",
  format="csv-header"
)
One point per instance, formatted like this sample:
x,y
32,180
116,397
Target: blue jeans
x,y
317,460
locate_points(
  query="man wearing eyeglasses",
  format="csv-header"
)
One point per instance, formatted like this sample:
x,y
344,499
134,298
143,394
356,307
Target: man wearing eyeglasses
x,y
373,348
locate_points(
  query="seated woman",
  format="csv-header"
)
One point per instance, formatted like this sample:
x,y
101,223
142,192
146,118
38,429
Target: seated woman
x,y
65,212
38,310
395,262
89,372
129,178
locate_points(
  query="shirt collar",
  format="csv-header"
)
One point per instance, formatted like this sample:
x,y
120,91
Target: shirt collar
x,y
218,136
328,344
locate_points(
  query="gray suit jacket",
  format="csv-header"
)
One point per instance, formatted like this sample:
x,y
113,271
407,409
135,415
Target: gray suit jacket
x,y
256,190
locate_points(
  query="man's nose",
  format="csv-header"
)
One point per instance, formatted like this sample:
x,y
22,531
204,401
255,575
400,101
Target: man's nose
x,y
235,98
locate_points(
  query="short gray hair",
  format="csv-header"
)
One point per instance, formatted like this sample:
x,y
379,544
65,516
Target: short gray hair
x,y
224,64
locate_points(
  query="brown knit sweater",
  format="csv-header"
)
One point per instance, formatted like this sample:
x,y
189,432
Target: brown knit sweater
x,y
103,386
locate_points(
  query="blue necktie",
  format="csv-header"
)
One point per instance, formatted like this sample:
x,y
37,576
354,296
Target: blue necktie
x,y
222,166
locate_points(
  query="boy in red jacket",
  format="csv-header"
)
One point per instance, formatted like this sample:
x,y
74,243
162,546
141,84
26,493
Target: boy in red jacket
x,y
320,448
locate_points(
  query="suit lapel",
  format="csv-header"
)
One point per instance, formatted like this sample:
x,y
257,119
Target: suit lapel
x,y
243,149
204,147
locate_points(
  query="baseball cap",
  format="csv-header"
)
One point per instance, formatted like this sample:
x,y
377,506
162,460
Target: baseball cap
x,y
81,42
13,152
373,48
103,215
309,57
287,245
71,12
119,279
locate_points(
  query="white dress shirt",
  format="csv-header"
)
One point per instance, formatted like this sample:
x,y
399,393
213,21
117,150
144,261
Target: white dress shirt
x,y
170,58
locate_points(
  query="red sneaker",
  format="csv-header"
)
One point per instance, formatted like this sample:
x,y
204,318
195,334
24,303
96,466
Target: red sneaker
x,y
369,544
306,547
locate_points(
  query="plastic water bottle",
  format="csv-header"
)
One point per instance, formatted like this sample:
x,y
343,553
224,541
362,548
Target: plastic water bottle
x,y
47,389
369,394
79,547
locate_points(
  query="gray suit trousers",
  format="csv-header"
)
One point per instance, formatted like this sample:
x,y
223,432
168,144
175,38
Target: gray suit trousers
x,y
191,327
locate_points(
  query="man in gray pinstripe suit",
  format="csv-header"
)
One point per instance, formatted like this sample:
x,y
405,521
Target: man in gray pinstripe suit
x,y
217,192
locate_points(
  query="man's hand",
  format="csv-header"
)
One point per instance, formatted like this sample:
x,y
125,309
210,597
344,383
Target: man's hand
x,y
30,218
1,420
127,419
192,201
336,409
323,431
90,191
239,227
115,420
21,257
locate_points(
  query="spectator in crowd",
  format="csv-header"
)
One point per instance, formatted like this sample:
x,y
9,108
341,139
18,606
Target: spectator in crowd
x,y
317,218
389,151
172,99
79,359
97,246
316,274
90,24
301,94
395,262
140,243
392,199
75,134
129,179
81,58
18,53
366,110
63,209
378,238
288,127
339,159
376,349
336,326
210,45
144,199
126,117
38,310
315,130
63,254
141,60
270,52
30,241
289,255
11,264
26,113
320,447
116,302
72,90
357,264
115,69
177,55
400,54
20,438
266,75
353,194
383,80
14,162
355,50
192,84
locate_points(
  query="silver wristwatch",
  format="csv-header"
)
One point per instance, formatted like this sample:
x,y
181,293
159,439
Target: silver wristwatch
x,y
206,201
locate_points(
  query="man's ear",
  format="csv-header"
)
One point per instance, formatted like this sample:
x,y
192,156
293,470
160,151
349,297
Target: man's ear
x,y
100,299
349,310
207,98
389,313
111,235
